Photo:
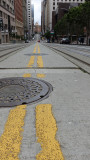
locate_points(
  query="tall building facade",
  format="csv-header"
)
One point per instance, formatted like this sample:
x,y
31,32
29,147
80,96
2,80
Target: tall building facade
x,y
51,5
7,20
32,14
24,4
29,18
19,18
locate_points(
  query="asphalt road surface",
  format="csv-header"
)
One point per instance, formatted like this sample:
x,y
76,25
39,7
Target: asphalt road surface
x,y
58,127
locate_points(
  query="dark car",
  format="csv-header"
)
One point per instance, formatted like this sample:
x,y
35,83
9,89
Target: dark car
x,y
81,40
26,41
65,41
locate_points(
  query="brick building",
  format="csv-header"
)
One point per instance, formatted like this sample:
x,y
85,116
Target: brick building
x,y
19,17
37,28
25,17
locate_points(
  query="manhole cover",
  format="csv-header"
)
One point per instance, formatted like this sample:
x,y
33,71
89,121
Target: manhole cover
x,y
17,91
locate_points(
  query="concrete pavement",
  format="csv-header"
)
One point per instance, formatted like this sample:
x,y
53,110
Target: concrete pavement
x,y
70,101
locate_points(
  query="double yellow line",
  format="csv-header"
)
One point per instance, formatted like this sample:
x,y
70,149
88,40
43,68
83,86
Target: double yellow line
x,y
39,58
46,129
39,62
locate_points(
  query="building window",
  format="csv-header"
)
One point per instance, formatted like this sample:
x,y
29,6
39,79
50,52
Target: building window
x,y
7,6
4,4
53,8
0,13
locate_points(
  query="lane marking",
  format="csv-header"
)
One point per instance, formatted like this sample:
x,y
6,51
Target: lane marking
x,y
46,131
40,62
38,49
32,59
11,139
41,75
34,51
27,75
31,62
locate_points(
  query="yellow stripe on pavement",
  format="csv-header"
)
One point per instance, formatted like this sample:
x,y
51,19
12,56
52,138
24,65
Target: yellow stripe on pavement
x,y
40,64
40,61
38,49
10,140
27,75
40,75
46,131
34,51
31,62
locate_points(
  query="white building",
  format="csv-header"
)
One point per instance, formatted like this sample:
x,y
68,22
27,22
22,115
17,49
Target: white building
x,y
29,18
51,5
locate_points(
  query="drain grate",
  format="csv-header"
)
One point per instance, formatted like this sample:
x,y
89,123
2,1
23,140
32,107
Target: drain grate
x,y
17,91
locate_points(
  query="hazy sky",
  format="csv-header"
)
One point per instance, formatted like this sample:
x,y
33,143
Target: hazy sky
x,y
37,10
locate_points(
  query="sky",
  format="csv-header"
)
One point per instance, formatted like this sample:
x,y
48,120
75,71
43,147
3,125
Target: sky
x,y
37,10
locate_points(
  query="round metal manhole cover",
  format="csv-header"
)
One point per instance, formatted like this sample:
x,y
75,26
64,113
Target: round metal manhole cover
x,y
18,91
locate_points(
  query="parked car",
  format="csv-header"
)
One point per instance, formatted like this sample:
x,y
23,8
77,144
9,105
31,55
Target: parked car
x,y
81,40
65,41
26,41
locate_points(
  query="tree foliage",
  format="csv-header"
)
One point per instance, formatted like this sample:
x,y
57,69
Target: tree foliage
x,y
74,21
48,35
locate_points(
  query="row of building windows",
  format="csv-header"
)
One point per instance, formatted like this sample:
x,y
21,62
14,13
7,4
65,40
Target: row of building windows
x,y
6,6
62,0
68,0
4,15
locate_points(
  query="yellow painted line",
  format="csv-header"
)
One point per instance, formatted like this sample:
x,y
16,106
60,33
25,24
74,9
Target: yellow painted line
x,y
46,131
40,75
27,75
31,62
38,49
34,51
40,64
11,139
40,61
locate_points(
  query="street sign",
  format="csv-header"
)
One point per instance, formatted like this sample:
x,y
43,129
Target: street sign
x,y
52,32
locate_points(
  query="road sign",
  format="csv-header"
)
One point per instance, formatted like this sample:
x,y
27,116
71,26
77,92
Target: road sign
x,y
52,32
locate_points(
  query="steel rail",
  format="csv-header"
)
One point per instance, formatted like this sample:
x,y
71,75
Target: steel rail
x,y
73,58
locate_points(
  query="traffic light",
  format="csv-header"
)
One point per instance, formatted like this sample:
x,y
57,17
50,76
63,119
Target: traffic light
x,y
1,24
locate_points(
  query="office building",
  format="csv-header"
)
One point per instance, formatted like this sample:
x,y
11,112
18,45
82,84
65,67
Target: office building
x,y
48,7
19,18
29,19
7,20
32,14
25,17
